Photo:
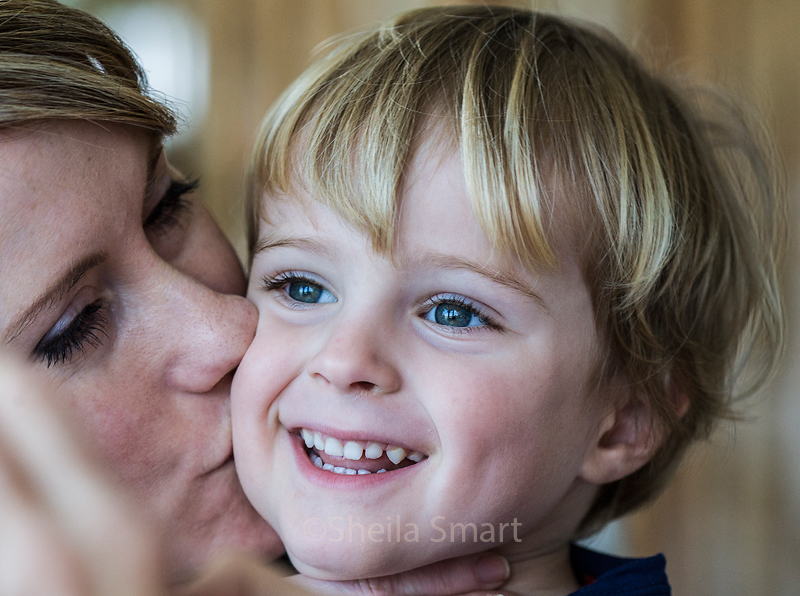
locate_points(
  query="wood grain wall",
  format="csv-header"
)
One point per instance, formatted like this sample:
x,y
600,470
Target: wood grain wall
x,y
730,523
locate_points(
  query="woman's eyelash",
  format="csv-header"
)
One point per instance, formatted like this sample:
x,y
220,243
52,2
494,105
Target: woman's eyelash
x,y
166,213
88,328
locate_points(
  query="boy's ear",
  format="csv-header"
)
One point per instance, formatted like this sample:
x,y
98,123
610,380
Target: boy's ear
x,y
628,437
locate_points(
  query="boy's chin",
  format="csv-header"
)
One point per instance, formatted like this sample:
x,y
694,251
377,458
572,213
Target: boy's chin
x,y
346,564
343,562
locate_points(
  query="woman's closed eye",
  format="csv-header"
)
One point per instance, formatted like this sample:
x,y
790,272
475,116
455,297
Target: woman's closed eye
x,y
297,290
167,213
75,331
456,314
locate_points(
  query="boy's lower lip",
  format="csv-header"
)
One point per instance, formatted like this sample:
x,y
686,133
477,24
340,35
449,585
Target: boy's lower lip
x,y
328,479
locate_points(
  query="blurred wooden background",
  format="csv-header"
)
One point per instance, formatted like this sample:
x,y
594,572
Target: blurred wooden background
x,y
729,523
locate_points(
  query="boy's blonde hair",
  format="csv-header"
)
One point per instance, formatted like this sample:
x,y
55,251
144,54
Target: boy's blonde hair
x,y
677,205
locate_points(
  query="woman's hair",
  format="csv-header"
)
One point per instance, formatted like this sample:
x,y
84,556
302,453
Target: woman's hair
x,y
57,62
672,196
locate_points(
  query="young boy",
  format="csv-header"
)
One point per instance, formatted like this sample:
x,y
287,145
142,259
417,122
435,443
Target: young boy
x,y
504,277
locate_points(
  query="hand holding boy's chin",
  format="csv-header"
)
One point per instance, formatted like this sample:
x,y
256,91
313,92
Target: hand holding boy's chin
x,y
241,575
353,561
471,574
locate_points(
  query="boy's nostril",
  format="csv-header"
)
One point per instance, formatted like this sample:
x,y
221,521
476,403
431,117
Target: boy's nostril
x,y
366,387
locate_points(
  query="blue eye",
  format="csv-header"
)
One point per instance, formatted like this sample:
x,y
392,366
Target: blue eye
x,y
454,315
309,292
298,288
455,312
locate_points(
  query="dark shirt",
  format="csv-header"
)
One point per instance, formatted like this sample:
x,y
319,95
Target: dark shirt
x,y
604,575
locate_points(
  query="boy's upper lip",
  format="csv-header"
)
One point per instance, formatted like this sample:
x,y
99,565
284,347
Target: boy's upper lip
x,y
400,435
362,435
399,423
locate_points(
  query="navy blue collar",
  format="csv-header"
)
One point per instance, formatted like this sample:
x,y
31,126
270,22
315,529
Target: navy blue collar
x,y
604,575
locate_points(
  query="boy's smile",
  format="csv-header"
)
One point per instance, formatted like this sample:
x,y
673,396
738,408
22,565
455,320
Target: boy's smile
x,y
348,456
439,384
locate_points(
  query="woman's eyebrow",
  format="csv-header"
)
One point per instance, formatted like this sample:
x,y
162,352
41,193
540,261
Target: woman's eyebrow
x,y
54,293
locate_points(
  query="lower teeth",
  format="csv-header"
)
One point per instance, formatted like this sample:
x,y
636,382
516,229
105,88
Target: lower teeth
x,y
317,461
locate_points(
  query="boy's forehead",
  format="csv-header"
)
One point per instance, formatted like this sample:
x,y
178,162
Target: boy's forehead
x,y
433,142
435,152
436,168
280,209
435,159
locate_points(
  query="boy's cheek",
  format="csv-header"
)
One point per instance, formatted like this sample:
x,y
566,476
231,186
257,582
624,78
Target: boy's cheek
x,y
272,362
253,433
274,357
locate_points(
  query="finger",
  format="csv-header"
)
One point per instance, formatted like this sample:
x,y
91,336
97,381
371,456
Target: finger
x,y
39,442
55,491
492,593
454,576
33,557
241,575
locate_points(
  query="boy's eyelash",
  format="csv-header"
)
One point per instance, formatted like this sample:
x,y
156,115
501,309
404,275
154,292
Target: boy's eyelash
x,y
88,328
166,213
488,321
271,283
282,282
276,282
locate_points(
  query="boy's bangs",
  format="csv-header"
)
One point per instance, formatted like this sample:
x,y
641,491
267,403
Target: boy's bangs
x,y
347,130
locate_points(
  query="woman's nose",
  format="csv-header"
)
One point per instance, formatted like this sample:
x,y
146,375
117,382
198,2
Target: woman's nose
x,y
355,358
206,333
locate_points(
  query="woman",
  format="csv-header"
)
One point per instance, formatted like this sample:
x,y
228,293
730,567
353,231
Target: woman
x,y
117,284
122,293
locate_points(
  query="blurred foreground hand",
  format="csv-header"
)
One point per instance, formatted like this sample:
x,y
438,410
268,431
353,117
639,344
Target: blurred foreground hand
x,y
66,530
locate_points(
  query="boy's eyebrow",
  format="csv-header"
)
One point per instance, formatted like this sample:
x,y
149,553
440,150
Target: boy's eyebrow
x,y
500,276
273,241
442,261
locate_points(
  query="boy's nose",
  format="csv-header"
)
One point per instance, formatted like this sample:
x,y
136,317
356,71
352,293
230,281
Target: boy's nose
x,y
356,358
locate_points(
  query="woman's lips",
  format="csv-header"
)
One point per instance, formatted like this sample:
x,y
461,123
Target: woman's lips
x,y
228,461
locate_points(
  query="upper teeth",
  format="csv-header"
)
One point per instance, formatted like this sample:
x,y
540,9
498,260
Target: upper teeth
x,y
353,450
373,450
396,454
334,447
